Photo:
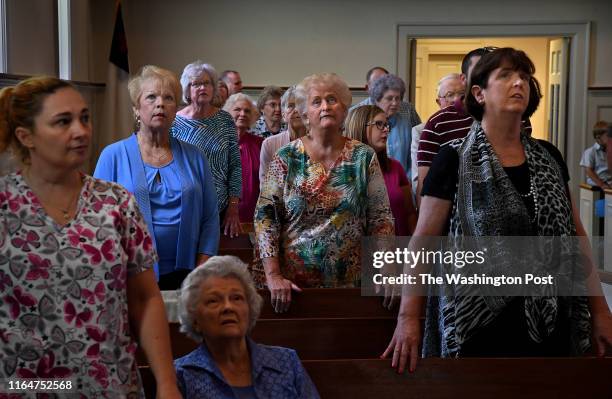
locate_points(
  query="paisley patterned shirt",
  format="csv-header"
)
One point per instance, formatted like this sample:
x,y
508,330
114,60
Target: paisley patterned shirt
x,y
63,297
313,219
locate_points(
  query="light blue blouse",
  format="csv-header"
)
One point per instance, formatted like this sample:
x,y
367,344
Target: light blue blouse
x,y
165,196
199,218
276,372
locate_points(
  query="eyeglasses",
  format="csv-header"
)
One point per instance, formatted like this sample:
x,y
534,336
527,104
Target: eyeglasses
x,y
451,95
273,105
489,49
199,84
380,125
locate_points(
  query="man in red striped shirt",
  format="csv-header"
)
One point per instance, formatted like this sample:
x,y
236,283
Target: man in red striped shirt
x,y
448,124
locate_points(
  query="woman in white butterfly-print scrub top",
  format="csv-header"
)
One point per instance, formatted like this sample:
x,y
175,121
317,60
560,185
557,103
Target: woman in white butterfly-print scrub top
x,y
75,258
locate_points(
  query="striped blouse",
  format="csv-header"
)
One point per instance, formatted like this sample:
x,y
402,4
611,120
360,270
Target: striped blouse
x,y
216,136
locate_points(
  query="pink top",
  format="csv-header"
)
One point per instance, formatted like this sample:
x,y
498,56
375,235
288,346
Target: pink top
x,y
395,179
64,289
250,147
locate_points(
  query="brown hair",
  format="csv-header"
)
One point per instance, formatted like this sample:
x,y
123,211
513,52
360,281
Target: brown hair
x,y
356,127
518,61
19,106
600,128
268,92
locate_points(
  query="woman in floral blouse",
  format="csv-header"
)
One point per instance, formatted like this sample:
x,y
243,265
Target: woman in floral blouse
x,y
322,193
75,257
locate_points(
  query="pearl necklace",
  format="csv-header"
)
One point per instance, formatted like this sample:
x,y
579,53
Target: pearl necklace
x,y
534,197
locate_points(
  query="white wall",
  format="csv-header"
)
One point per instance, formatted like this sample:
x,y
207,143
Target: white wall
x,y
272,41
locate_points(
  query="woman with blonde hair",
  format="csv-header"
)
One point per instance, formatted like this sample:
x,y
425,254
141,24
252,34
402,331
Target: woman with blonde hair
x,y
76,259
369,125
167,176
321,194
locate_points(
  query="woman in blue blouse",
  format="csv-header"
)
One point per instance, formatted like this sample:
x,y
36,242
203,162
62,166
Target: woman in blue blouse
x,y
171,180
218,307
213,131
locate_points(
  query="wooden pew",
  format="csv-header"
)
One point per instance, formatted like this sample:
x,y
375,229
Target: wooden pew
x,y
449,378
327,302
469,378
313,303
333,338
334,323
240,246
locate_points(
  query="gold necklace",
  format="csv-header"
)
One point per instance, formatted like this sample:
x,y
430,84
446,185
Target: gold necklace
x,y
67,211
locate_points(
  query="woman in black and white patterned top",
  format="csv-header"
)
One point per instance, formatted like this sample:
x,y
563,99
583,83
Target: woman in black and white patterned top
x,y
500,182
213,131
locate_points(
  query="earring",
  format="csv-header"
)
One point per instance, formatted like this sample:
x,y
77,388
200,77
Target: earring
x,y
137,122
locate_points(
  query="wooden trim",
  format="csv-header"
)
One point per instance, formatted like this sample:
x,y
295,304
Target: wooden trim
x,y
589,187
249,88
599,88
605,277
79,83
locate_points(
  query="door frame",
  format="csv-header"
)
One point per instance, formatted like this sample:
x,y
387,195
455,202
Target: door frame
x,y
578,32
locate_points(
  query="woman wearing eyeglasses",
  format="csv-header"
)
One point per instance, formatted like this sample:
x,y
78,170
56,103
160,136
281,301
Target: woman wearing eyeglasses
x,y
369,125
213,131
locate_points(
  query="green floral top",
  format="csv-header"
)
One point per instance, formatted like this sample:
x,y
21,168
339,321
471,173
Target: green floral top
x,y
313,219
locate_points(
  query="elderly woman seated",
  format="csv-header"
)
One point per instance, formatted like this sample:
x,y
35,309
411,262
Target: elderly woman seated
x,y
218,306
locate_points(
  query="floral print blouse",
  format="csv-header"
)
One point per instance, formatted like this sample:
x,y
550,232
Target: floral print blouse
x,y
313,219
63,296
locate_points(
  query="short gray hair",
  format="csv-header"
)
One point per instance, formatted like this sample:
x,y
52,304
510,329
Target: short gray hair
x,y
234,98
193,71
444,79
331,81
384,83
216,266
288,95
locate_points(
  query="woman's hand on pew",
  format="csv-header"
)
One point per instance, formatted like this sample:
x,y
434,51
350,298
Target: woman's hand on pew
x,y
602,333
280,291
405,344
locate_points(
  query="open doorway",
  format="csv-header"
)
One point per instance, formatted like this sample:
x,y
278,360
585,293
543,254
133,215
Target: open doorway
x,y
577,135
437,57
